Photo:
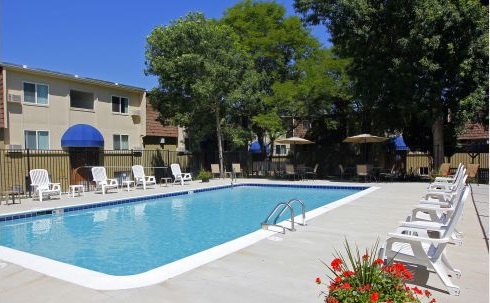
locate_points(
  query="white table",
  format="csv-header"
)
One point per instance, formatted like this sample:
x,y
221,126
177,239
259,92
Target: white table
x,y
166,180
78,188
129,184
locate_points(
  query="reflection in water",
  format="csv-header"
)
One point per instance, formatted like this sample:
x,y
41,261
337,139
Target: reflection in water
x,y
41,226
139,209
100,215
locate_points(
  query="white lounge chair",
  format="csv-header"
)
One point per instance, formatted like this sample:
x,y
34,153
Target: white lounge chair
x,y
42,186
179,177
101,180
425,251
140,178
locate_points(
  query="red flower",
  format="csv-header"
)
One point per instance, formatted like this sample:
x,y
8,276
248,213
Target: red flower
x,y
365,257
427,293
336,264
338,279
378,262
433,300
348,273
417,290
318,280
346,286
331,299
374,297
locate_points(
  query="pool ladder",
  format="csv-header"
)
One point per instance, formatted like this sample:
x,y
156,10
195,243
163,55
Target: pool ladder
x,y
278,210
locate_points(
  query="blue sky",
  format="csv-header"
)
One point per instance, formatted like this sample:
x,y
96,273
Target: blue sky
x,y
101,39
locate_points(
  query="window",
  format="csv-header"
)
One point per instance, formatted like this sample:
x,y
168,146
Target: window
x,y
36,139
82,100
120,104
35,93
306,124
280,149
121,142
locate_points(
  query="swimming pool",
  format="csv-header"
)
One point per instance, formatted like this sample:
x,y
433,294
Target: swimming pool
x,y
135,237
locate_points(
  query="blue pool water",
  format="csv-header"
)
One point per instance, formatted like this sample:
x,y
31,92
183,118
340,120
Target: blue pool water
x,y
135,237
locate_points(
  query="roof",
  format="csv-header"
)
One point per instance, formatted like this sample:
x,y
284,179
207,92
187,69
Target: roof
x,y
45,72
474,131
154,127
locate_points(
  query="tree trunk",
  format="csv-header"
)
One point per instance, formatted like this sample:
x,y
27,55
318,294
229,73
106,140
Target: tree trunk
x,y
220,143
438,141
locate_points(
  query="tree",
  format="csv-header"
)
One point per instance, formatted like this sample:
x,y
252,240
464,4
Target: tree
x,y
199,65
275,43
414,63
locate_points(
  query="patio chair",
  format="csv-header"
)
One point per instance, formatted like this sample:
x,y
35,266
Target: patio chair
x,y
344,173
311,173
101,181
444,170
140,178
235,170
42,186
388,174
179,177
290,172
215,170
425,251
364,171
472,172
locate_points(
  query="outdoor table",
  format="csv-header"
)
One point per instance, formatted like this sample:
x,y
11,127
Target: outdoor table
x,y
12,194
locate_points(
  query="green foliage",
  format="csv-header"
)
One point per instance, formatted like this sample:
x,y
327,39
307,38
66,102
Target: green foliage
x,y
200,64
413,62
204,175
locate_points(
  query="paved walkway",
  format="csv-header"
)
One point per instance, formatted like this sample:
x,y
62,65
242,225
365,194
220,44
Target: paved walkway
x,y
282,268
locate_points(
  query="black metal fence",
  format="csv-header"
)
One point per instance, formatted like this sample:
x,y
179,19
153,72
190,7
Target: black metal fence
x,y
70,167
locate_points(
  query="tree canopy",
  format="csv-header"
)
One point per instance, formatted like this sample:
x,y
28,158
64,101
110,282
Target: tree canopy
x,y
417,66
199,64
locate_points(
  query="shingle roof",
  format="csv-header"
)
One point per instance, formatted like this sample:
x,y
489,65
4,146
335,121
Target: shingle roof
x,y
154,127
474,131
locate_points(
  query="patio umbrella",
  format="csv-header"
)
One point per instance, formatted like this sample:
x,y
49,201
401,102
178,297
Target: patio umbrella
x,y
294,141
365,138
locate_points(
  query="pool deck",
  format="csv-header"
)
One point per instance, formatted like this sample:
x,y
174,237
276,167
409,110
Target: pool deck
x,y
281,268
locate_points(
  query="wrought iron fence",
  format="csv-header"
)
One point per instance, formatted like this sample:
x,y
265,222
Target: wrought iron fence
x,y
70,167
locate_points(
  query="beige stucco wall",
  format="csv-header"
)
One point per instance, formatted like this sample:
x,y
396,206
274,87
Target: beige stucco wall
x,y
58,116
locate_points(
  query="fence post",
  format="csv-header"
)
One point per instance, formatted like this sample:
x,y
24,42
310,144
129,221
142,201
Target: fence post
x,y
28,170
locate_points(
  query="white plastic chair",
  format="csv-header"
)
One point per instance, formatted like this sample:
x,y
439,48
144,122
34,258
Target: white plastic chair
x,y
101,180
179,177
42,186
140,178
426,251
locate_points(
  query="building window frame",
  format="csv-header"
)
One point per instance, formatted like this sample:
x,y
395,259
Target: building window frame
x,y
36,139
280,149
120,142
120,104
39,95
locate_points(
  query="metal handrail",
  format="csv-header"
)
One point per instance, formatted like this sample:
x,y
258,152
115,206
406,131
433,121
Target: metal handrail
x,y
303,208
280,208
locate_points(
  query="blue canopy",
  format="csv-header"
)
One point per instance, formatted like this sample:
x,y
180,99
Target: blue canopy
x,y
82,135
255,148
400,144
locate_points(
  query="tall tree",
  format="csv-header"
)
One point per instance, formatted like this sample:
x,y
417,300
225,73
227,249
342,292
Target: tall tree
x,y
276,43
199,65
415,61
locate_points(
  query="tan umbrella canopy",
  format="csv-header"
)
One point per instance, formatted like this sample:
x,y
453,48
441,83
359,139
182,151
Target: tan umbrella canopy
x,y
365,138
294,140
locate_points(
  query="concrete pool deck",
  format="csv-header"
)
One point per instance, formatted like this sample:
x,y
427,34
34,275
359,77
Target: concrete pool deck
x,y
281,268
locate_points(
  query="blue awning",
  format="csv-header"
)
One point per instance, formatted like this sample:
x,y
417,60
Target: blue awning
x,y
82,135
400,144
255,148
